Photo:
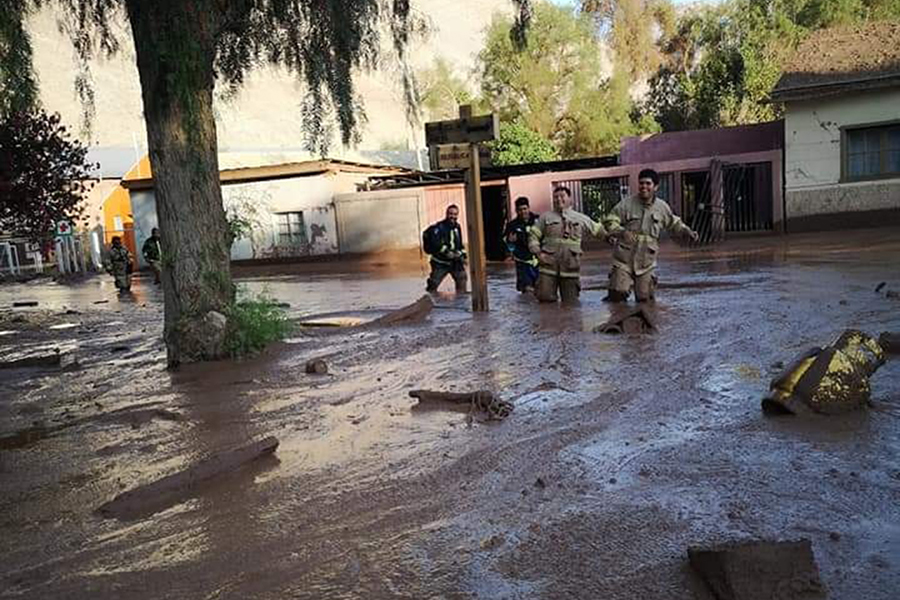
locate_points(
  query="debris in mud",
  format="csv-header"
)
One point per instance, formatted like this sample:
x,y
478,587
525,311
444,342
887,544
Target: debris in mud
x,y
316,366
24,303
890,342
492,542
26,437
148,499
40,361
539,483
101,301
894,295
640,319
481,400
412,313
761,569
828,380
880,286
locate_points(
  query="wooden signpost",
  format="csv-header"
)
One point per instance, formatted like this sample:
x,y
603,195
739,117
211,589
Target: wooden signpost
x,y
470,130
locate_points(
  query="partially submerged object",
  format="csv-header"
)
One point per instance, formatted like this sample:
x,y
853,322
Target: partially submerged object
x,y
482,400
759,570
640,319
411,313
890,342
828,380
162,493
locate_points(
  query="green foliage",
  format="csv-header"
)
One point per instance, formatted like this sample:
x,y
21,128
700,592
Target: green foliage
x,y
254,323
442,91
244,216
44,174
722,62
18,85
519,145
554,84
632,29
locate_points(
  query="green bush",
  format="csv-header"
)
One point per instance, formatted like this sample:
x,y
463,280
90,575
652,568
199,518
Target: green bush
x,y
254,323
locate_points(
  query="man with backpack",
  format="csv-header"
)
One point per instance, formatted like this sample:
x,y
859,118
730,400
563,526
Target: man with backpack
x,y
443,242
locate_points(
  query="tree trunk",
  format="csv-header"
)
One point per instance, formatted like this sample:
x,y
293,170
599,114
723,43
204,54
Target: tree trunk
x,y
175,47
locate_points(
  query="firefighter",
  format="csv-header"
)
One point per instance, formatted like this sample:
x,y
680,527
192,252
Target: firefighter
x,y
517,233
443,241
153,253
634,227
119,265
556,241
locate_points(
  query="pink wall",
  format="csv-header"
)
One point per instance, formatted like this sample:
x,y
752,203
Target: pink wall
x,y
702,142
438,198
539,187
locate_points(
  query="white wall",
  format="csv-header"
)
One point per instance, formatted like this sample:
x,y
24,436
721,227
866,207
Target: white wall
x,y
813,138
380,220
260,202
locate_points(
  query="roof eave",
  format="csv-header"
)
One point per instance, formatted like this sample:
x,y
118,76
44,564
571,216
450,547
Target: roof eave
x,y
806,92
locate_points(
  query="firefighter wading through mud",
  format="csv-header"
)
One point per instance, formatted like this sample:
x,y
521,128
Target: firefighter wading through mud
x,y
119,265
556,241
443,241
634,227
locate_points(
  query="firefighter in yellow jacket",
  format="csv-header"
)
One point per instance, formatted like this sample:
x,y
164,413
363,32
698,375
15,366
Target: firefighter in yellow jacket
x,y
556,241
634,226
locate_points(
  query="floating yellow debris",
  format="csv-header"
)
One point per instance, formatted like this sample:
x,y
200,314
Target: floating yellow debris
x,y
828,380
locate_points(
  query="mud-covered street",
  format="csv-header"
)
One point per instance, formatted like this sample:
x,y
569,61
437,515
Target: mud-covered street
x,y
622,451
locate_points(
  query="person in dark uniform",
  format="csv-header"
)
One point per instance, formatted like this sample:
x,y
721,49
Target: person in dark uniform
x,y
516,235
443,241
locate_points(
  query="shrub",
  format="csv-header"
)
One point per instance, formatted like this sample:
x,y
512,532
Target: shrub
x,y
254,323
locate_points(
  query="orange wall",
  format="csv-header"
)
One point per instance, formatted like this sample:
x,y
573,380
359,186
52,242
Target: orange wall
x,y
118,204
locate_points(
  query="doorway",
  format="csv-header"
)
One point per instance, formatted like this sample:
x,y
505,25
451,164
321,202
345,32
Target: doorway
x,y
494,210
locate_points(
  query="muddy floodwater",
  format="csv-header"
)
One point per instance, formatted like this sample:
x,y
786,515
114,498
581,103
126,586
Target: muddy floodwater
x,y
621,452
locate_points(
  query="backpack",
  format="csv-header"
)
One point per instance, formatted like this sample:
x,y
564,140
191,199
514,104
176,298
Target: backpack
x,y
431,239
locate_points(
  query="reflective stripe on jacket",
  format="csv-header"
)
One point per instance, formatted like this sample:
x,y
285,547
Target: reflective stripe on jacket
x,y
646,222
556,240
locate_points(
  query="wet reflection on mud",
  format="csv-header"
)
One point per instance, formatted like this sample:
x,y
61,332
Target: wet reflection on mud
x,y
620,452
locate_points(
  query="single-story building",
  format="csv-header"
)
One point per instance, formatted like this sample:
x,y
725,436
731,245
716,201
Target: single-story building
x,y
738,169
288,206
841,92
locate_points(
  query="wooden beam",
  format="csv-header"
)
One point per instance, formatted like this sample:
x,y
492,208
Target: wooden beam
x,y
464,130
475,226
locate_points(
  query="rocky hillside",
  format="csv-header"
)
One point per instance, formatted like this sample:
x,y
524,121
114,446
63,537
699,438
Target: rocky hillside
x,y
265,116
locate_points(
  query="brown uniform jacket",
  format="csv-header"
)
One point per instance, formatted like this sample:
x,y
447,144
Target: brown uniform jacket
x,y
556,240
646,222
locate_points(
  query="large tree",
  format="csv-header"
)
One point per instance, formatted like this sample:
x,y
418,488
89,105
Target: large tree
x,y
554,84
44,174
633,30
184,49
519,145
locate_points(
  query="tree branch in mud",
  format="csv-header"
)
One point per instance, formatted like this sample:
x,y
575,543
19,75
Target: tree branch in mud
x,y
150,498
482,400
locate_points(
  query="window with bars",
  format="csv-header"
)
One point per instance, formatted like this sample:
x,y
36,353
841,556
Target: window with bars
x,y
291,230
871,152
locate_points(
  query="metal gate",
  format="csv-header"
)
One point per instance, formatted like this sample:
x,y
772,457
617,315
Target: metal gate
x,y
596,197
747,191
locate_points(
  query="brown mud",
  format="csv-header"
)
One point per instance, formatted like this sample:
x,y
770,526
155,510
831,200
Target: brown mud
x,y
622,451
